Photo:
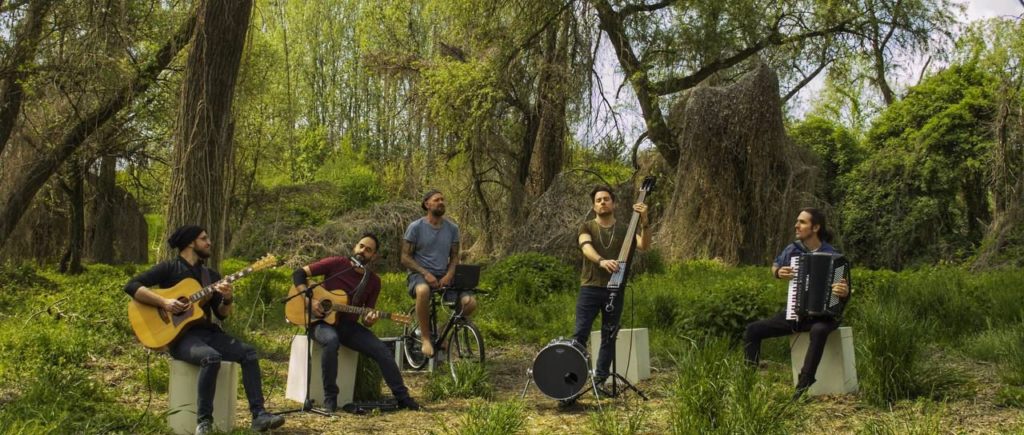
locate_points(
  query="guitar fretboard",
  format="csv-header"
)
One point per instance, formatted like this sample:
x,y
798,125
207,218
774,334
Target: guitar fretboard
x,y
206,291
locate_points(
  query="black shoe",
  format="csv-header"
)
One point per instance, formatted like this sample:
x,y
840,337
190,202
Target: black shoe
x,y
802,386
205,427
331,405
408,403
265,421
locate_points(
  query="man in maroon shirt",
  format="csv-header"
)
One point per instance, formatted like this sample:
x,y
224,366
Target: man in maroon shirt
x,y
362,287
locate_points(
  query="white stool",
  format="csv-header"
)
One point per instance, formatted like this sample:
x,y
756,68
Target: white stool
x,y
837,373
396,343
632,353
182,394
346,380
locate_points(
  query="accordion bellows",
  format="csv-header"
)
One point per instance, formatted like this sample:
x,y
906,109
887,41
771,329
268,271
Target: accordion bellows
x,y
810,292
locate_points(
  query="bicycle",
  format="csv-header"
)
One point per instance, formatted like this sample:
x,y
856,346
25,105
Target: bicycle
x,y
466,343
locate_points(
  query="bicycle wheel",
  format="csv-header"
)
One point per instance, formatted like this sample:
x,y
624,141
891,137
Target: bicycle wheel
x,y
465,346
412,343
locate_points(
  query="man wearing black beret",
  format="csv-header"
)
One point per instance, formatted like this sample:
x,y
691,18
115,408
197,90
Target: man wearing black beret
x,y
204,344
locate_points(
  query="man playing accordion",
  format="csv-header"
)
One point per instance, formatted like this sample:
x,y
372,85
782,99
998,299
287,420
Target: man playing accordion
x,y
812,235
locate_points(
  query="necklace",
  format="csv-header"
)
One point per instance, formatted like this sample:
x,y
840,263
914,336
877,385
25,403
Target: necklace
x,y
611,236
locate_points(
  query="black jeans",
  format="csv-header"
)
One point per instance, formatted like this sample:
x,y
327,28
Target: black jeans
x,y
206,348
592,301
360,339
778,326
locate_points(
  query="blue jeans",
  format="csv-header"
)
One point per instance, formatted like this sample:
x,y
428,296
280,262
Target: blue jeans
x,y
360,339
592,301
206,348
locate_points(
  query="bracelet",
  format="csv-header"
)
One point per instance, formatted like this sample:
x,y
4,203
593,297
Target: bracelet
x,y
776,273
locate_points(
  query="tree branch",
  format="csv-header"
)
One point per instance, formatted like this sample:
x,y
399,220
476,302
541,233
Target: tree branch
x,y
805,81
24,188
644,7
676,84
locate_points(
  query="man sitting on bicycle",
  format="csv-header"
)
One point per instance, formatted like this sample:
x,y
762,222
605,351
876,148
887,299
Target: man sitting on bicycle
x,y
431,252
345,273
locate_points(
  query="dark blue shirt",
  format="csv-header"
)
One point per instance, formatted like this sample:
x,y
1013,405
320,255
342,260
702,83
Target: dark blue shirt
x,y
796,248
168,273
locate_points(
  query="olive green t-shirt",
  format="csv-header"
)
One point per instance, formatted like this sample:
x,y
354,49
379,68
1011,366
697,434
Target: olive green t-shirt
x,y
607,242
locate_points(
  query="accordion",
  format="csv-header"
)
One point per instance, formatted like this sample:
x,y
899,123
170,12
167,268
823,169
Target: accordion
x,y
810,292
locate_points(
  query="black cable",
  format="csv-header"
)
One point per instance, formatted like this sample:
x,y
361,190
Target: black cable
x,y
149,400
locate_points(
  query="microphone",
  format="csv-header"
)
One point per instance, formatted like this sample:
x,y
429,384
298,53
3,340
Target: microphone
x,y
356,263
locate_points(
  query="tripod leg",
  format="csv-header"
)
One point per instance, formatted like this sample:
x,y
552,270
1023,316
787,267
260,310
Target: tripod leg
x,y
529,378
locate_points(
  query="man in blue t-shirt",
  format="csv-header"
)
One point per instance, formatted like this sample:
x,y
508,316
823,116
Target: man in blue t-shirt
x,y
430,251
812,235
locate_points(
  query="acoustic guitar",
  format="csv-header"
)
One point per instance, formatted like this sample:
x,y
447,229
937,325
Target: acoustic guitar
x,y
157,328
332,303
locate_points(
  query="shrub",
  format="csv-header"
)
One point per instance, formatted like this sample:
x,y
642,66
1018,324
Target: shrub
x,y
529,277
493,418
716,392
892,363
474,381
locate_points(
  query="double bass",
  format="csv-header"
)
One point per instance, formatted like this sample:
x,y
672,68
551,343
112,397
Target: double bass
x,y
618,279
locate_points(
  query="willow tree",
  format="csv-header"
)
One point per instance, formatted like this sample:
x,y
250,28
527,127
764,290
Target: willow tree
x,y
69,102
203,148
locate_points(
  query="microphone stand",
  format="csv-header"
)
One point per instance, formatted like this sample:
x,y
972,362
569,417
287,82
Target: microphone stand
x,y
307,405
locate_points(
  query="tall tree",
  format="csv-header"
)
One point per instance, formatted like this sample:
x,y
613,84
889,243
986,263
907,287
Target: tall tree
x,y
203,148
25,169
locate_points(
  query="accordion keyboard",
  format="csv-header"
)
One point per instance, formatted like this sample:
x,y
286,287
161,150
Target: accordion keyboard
x,y
791,296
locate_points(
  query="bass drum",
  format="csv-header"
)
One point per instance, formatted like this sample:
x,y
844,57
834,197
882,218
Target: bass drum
x,y
561,369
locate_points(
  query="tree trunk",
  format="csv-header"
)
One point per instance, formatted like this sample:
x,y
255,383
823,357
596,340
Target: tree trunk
x,y
203,149
71,261
33,168
102,250
548,154
26,35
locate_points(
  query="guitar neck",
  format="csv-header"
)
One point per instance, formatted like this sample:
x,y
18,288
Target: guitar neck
x,y
634,221
208,290
359,310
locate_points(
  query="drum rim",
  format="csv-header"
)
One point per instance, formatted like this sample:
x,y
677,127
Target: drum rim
x,y
575,346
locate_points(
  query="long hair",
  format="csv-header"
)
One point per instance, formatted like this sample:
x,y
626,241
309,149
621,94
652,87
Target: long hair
x,y
818,218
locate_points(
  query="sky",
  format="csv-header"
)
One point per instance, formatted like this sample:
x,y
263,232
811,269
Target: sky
x,y
628,121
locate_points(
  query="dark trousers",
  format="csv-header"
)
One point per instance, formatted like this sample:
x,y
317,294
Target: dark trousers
x,y
590,302
778,326
360,339
206,348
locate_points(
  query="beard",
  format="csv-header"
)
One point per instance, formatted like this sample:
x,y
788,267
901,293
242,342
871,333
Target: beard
x,y
604,213
203,253
437,212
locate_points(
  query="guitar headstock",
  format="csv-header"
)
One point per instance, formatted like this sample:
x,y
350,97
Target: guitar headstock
x,y
648,184
264,262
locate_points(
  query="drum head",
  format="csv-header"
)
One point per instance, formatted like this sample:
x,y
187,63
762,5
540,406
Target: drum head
x,y
560,370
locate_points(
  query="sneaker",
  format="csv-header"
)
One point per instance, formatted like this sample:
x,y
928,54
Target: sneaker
x,y
265,421
331,405
408,403
205,427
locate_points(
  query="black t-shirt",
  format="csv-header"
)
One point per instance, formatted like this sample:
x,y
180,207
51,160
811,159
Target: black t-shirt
x,y
168,273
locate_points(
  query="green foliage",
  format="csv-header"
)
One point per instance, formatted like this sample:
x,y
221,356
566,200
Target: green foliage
x,y
716,392
704,298
474,380
893,363
835,145
920,195
529,277
492,419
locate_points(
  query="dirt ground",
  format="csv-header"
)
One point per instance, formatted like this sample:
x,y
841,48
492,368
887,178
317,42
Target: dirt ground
x,y
827,414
